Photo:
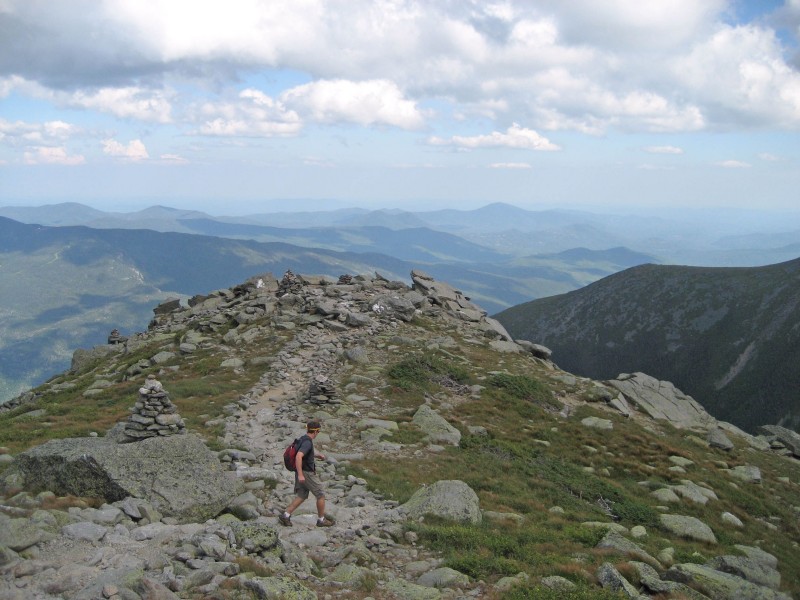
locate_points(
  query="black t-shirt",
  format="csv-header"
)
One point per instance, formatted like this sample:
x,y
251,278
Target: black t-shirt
x,y
306,445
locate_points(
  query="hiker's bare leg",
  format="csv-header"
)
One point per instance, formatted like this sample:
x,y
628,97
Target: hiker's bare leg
x,y
321,506
295,503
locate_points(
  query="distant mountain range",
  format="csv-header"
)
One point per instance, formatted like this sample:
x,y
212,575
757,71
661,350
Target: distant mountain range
x,y
696,237
730,337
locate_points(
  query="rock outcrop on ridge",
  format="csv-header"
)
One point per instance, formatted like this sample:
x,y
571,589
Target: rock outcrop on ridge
x,y
322,348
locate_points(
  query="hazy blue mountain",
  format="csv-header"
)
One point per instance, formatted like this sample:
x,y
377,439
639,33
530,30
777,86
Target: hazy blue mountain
x,y
730,337
66,213
393,219
707,237
619,256
417,244
324,218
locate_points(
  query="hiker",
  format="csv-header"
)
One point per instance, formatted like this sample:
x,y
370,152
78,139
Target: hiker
x,y
305,478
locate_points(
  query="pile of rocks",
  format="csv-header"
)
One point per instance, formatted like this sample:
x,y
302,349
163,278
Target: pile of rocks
x,y
289,284
116,338
154,414
345,279
322,391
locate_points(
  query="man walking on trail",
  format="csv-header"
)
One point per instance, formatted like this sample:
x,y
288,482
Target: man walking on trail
x,y
305,478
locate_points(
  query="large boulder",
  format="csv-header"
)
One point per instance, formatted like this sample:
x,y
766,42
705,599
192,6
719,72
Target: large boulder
x,y
178,474
436,426
449,499
716,438
688,527
662,400
393,305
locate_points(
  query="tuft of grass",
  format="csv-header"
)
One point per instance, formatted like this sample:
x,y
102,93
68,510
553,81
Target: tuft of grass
x,y
417,371
522,387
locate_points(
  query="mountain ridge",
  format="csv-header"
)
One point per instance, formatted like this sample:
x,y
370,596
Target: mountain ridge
x,y
727,335
458,463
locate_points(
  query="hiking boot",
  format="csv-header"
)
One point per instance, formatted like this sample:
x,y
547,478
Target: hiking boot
x,y
326,522
285,521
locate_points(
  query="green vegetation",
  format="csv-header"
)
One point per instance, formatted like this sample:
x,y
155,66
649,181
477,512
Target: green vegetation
x,y
524,387
419,371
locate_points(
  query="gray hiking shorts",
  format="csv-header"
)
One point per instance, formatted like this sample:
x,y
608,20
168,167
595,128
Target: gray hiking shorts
x,y
311,484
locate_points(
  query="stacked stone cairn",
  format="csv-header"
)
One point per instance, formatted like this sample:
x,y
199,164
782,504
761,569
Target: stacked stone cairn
x,y
345,279
289,284
154,414
116,338
322,391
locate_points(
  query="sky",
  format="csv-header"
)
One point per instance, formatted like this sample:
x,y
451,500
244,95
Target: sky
x,y
255,105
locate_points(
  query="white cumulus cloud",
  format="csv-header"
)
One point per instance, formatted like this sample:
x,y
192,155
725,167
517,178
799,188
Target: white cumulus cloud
x,y
52,155
252,114
515,137
128,102
20,133
740,75
133,151
375,102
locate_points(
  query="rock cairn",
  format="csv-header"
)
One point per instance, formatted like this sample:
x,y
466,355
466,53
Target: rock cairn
x,y
154,414
345,279
116,338
289,284
322,391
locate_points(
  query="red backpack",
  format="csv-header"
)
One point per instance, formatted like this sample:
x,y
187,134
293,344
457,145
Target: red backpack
x,y
290,456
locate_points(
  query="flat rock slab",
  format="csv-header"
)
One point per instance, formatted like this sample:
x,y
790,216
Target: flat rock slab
x,y
615,541
747,568
662,400
720,586
789,438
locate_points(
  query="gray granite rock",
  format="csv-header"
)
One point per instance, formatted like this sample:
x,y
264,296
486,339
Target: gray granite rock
x,y
661,400
689,527
436,427
450,499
